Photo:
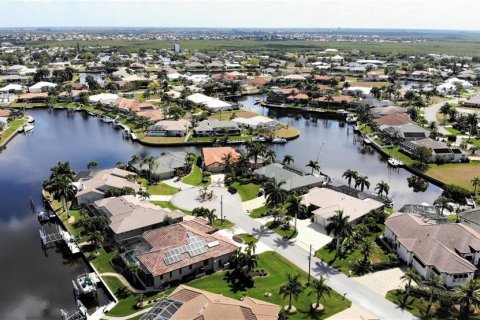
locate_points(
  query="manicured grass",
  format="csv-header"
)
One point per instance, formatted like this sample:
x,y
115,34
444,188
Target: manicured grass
x,y
247,191
12,127
194,178
102,260
225,224
160,140
247,237
171,206
243,137
459,174
162,189
415,305
395,152
345,264
277,268
287,132
74,228
453,131
288,234
259,212
127,300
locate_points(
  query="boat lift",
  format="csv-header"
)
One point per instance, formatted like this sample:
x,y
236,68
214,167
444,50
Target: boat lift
x,y
58,236
80,314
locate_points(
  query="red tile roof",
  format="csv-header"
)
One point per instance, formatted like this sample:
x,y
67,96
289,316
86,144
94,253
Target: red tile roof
x,y
215,155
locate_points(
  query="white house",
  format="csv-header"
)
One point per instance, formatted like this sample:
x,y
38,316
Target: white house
x,y
41,86
213,104
450,85
256,122
449,250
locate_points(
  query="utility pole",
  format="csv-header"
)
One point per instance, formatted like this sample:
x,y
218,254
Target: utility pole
x,y
221,209
309,263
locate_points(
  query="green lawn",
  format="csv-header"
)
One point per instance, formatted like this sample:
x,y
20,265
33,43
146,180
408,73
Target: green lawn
x,y
74,228
460,174
247,237
395,152
259,212
278,268
127,300
12,128
171,206
225,224
346,264
194,178
102,261
162,189
415,305
247,191
288,234
453,131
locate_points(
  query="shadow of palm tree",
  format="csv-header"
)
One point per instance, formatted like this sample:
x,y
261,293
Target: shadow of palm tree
x,y
261,232
323,268
122,293
283,242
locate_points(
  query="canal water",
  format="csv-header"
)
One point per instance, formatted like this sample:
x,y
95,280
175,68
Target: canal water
x,y
37,284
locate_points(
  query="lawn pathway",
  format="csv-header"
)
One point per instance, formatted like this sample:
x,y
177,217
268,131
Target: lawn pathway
x,y
133,315
123,281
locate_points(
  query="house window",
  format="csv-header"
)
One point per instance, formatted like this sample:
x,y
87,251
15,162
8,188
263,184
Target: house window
x,y
190,267
170,274
161,277
205,262
180,271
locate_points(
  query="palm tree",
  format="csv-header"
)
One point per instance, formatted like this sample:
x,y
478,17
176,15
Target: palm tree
x,y
314,165
135,158
96,236
143,194
442,202
475,183
296,208
132,269
350,175
363,182
229,163
255,150
61,187
274,193
92,165
382,187
292,288
288,159
251,259
468,295
211,216
340,227
433,283
152,164
409,276
320,289
270,155
472,120
277,213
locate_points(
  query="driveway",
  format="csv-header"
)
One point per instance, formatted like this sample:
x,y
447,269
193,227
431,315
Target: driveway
x,y
431,114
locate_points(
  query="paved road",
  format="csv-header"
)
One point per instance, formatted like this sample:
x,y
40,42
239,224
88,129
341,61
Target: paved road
x,y
431,114
355,292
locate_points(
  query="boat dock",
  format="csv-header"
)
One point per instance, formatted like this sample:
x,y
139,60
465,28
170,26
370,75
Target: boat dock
x,y
57,237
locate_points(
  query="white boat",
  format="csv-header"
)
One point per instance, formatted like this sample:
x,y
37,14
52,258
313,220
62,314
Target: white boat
x,y
107,119
28,127
133,136
117,123
279,141
43,216
126,133
258,139
30,119
342,112
85,284
394,162
350,119
367,141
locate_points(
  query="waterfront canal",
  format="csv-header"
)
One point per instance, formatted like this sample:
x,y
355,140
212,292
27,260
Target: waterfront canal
x,y
37,285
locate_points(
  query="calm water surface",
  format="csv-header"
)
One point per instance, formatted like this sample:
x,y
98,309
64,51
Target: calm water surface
x,y
36,284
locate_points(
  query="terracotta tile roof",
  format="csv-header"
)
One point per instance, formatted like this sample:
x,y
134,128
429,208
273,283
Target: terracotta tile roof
x,y
152,115
436,244
176,235
289,90
33,95
200,304
5,113
258,81
395,119
300,96
215,155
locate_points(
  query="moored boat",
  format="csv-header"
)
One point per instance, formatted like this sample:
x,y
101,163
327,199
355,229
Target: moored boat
x,y
279,141
367,141
28,127
133,136
107,119
258,139
394,162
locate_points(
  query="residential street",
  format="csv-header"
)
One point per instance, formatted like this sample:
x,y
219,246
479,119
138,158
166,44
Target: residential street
x,y
431,114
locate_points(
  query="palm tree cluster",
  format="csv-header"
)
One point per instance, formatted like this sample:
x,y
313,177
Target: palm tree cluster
x,y
244,263
361,181
203,212
60,184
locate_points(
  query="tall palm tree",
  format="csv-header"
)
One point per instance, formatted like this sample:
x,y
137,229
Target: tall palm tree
x,y
442,202
475,183
409,276
143,194
292,288
366,247
229,164
270,155
350,175
382,187
274,193
251,259
92,165
62,189
255,150
434,284
152,164
320,289
314,165
135,158
340,227
211,216
362,182
296,208
288,159
132,269
472,120
96,236
468,295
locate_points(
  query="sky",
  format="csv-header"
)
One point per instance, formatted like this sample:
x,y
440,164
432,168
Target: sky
x,y
390,14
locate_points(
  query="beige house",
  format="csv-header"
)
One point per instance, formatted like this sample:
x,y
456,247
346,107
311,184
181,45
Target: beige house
x,y
169,128
91,186
449,250
180,251
190,303
326,202
130,217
